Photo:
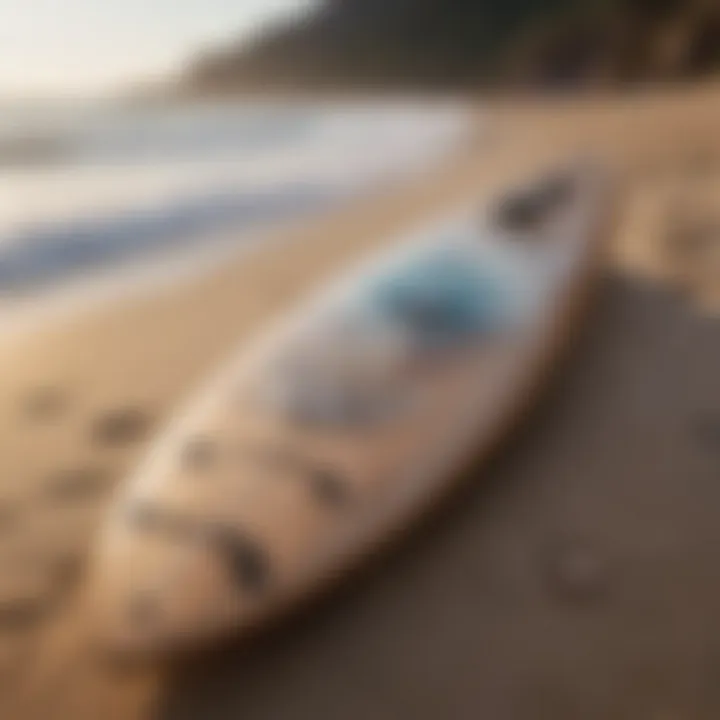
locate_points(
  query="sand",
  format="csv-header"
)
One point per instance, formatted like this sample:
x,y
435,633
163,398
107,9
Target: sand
x,y
577,576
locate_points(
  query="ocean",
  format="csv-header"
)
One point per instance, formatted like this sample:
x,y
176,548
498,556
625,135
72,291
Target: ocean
x,y
94,194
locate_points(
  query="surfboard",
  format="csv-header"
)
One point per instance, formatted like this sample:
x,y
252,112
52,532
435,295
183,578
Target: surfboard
x,y
320,442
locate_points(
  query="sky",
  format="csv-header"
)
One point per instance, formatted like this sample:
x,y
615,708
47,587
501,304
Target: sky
x,y
82,47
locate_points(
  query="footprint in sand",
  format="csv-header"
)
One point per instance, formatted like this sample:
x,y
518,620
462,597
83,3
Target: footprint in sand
x,y
576,572
76,484
706,429
9,517
37,569
120,426
32,582
25,590
691,246
44,404
47,557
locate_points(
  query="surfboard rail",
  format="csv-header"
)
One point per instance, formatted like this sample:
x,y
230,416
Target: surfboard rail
x,y
317,446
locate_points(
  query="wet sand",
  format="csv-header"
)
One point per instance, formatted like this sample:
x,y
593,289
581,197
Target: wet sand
x,y
575,578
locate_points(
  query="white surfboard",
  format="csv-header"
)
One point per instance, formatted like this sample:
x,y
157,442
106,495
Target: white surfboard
x,y
319,443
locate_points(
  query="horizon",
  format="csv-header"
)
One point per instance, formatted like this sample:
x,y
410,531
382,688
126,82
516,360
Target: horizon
x,y
86,48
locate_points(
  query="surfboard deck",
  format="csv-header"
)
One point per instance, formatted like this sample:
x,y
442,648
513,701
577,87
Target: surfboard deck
x,y
321,442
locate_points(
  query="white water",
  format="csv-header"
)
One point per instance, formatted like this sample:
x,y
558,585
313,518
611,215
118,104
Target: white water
x,y
93,196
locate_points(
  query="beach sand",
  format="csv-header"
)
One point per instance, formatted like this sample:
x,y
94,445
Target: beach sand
x,y
577,580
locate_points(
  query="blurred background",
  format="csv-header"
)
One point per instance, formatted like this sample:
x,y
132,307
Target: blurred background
x,y
173,175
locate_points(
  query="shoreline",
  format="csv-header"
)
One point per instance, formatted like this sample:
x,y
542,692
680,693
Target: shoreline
x,y
146,355
104,247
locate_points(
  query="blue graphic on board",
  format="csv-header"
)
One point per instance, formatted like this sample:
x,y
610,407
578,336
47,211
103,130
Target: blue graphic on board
x,y
441,297
454,292
349,365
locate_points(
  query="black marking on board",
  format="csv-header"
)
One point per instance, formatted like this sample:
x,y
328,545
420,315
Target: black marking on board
x,y
143,516
199,453
530,209
150,518
327,483
246,561
329,487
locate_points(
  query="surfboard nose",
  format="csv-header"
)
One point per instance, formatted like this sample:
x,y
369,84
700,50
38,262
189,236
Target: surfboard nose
x,y
151,596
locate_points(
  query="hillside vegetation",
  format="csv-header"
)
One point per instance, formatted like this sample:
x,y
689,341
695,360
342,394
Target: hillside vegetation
x,y
460,44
